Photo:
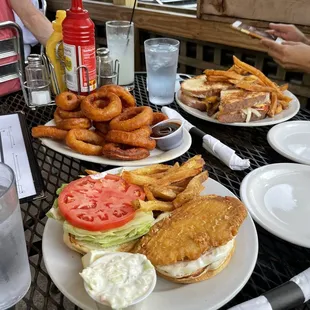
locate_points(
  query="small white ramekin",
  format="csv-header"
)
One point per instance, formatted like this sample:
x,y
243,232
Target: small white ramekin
x,y
172,140
136,304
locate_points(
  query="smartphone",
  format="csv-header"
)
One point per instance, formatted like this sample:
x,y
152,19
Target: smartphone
x,y
252,31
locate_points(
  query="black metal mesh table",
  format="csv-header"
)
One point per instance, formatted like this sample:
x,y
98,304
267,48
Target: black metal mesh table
x,y
277,262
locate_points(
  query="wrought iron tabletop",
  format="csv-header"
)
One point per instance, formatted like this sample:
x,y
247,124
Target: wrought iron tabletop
x,y
278,260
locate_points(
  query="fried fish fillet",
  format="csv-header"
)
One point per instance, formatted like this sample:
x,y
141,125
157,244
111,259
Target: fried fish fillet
x,y
193,229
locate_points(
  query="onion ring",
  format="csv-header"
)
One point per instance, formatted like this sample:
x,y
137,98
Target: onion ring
x,y
67,101
126,97
132,119
103,127
84,141
124,152
71,123
69,114
158,117
101,114
137,138
81,97
99,133
48,132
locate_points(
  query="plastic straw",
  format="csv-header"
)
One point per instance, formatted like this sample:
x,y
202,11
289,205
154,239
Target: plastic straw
x,y
131,19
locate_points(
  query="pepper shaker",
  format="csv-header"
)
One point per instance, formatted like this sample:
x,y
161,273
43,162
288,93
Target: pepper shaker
x,y
105,68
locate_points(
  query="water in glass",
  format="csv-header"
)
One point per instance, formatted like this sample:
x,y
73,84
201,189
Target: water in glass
x,y
15,275
161,65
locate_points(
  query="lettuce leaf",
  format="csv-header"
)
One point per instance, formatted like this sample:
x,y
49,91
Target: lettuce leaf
x,y
61,188
134,229
54,213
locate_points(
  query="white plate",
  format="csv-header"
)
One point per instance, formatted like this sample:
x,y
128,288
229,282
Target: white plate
x,y
277,196
291,140
157,156
279,118
64,265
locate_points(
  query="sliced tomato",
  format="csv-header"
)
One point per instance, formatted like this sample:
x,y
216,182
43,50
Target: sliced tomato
x,y
100,204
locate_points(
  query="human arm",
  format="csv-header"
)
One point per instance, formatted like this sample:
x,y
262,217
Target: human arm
x,y
290,55
288,33
33,19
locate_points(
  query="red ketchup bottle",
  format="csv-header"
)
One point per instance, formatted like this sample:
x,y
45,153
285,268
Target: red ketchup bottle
x,y
79,48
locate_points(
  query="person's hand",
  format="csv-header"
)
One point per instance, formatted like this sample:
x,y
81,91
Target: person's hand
x,y
288,33
290,55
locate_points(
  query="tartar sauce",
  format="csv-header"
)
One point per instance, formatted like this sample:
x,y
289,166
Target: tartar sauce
x,y
119,279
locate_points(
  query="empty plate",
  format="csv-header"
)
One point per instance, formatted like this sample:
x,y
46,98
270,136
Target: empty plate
x,y
277,196
291,140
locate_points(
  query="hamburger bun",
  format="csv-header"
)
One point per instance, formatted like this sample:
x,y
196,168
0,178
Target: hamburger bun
x,y
85,247
203,274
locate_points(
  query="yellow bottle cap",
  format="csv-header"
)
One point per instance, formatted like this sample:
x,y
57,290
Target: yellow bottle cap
x,y
60,16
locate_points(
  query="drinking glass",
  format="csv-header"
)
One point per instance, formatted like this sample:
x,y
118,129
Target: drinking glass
x,y
15,277
161,58
120,39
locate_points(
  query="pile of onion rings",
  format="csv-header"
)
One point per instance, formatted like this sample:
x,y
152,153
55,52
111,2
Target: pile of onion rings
x,y
105,123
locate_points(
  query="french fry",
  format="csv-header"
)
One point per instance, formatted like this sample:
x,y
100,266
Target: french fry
x,y
151,169
182,183
136,179
284,104
189,169
234,82
180,175
192,190
177,189
238,70
273,105
279,108
261,76
228,74
255,87
160,175
252,78
163,193
215,78
149,195
166,193
283,87
153,205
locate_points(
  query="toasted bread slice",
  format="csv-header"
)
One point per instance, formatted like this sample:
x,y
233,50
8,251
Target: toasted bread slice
x,y
236,99
195,86
239,116
199,87
193,102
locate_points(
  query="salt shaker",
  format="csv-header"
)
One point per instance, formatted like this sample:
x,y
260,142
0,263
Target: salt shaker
x,y
37,81
105,72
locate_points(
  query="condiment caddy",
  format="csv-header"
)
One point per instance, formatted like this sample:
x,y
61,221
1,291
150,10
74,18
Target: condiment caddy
x,y
71,61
